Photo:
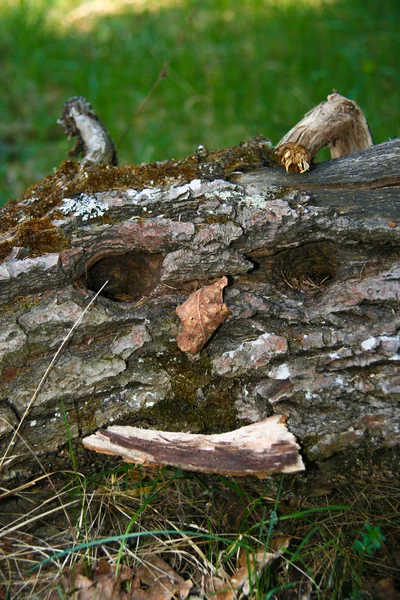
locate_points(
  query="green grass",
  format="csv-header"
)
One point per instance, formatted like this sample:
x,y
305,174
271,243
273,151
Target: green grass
x,y
315,541
237,69
242,68
205,527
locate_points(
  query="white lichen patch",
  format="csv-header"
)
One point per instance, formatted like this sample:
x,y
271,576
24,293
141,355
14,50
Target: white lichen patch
x,y
387,345
281,372
255,353
127,344
256,201
86,206
370,344
173,193
222,190
300,198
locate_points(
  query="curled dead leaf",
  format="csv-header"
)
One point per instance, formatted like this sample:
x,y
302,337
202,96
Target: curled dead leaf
x,y
104,583
200,315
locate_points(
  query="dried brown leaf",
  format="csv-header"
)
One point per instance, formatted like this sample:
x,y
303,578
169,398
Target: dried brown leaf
x,y
200,315
160,581
250,568
219,588
104,584
381,589
278,542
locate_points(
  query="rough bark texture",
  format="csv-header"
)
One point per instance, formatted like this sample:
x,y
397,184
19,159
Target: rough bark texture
x,y
313,267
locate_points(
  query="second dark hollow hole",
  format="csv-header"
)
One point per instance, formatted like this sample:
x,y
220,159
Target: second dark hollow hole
x,y
307,267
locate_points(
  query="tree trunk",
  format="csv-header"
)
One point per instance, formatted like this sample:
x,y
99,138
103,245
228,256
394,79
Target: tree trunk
x,y
312,262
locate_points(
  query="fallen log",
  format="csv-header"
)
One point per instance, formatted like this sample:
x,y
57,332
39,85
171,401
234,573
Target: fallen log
x,y
312,264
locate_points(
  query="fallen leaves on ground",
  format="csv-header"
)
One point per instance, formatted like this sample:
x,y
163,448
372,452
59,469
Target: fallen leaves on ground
x,y
156,580
381,589
153,580
244,579
200,315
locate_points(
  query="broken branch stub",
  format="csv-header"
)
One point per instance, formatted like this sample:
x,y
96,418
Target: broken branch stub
x,y
258,449
201,314
338,123
79,120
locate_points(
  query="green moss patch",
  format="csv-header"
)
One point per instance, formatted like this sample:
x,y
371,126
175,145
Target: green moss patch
x,y
27,219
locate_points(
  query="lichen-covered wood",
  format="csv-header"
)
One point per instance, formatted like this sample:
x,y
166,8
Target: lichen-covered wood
x,y
312,262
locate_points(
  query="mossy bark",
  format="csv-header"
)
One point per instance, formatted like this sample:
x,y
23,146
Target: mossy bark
x,y
314,285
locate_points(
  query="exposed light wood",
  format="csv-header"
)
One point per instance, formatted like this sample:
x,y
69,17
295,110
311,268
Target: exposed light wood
x,y
259,449
338,123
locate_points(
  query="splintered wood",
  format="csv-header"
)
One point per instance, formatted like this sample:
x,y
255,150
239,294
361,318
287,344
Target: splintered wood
x,y
338,123
258,449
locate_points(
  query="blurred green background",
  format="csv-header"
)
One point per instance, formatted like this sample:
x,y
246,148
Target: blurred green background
x,y
238,68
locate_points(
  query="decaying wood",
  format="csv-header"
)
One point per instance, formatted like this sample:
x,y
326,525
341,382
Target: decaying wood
x,y
260,449
312,263
338,123
79,120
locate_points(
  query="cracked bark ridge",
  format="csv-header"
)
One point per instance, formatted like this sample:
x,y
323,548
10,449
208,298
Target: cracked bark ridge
x,y
201,314
259,449
79,120
338,123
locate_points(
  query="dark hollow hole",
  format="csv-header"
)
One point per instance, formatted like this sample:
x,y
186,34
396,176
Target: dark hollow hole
x,y
308,267
130,276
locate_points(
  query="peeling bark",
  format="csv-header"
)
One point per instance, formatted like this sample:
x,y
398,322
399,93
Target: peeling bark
x,y
260,449
312,262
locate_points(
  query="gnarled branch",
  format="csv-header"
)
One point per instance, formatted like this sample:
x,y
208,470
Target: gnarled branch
x,y
79,120
338,123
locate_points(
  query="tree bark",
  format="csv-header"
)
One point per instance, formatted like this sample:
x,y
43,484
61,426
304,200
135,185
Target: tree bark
x,y
259,449
312,262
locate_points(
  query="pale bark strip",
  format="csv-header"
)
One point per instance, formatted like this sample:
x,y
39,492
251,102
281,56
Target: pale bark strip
x,y
258,449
